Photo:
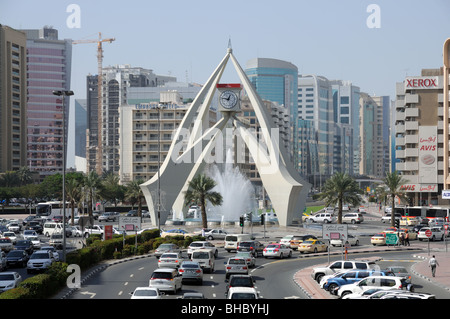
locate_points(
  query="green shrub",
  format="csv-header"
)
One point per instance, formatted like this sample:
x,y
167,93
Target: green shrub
x,y
16,293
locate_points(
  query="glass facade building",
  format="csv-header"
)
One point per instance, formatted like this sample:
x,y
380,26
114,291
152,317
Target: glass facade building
x,y
49,69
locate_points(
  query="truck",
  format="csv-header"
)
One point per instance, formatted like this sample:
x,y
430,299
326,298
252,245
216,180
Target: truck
x,y
319,272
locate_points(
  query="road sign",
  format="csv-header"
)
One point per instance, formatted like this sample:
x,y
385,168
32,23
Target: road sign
x,y
391,239
428,233
335,231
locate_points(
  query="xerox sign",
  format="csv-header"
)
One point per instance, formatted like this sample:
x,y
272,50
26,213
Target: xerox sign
x,y
429,82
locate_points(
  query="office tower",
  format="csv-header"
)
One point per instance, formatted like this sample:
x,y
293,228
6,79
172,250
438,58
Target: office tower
x,y
419,136
13,97
49,69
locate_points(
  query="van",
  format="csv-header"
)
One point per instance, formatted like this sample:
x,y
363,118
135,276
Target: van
x,y
232,241
50,228
205,258
354,218
166,279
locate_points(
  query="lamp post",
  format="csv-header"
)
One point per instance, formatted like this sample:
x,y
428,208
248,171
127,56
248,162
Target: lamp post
x,y
64,94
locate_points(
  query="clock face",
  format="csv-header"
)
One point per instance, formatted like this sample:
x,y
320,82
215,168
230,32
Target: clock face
x,y
228,99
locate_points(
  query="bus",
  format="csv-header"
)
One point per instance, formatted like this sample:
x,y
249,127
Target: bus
x,y
424,211
49,208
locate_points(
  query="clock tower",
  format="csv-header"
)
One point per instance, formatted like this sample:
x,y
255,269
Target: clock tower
x,y
229,97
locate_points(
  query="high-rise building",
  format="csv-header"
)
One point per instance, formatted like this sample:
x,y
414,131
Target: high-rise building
x,y
49,68
419,136
13,99
116,81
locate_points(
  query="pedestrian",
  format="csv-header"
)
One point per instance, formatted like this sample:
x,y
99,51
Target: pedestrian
x,y
402,239
433,263
407,239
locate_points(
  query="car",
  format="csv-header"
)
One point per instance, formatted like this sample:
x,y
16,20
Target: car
x,y
56,240
362,209
240,281
13,236
91,230
436,233
378,239
353,218
248,256
332,284
412,235
166,248
176,232
436,222
387,218
36,226
191,271
382,282
214,234
400,271
407,295
26,245
14,227
6,244
252,246
9,280
166,279
3,261
17,257
57,219
73,231
372,293
132,213
202,245
242,293
205,258
29,233
351,240
108,217
337,266
297,240
312,246
322,218
277,250
146,293
170,260
40,260
235,265
192,295
53,250
36,242
286,239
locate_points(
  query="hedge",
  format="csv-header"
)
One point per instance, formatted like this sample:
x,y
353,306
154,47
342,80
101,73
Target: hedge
x,y
47,284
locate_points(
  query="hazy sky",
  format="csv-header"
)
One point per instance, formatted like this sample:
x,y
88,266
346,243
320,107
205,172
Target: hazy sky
x,y
188,39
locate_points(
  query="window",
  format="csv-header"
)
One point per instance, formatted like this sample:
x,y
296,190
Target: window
x,y
345,100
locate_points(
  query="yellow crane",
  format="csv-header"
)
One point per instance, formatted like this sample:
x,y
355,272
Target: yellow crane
x,y
99,41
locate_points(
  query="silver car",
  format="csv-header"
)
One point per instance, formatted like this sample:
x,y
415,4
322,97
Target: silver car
x,y
236,265
170,260
166,248
191,270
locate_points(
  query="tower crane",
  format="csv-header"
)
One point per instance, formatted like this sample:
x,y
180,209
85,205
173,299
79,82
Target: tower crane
x,y
99,41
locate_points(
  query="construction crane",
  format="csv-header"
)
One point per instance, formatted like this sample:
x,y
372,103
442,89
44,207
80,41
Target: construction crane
x,y
99,41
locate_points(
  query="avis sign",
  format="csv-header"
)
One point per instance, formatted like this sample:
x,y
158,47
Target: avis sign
x,y
445,194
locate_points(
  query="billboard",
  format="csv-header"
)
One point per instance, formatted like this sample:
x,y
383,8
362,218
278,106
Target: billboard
x,y
428,146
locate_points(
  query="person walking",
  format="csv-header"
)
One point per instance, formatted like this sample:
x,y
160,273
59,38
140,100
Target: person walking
x,y
407,239
433,263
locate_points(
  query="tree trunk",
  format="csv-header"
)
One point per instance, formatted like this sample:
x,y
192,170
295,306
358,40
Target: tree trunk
x,y
339,221
392,212
204,218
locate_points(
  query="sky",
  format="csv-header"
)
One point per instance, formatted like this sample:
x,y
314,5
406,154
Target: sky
x,y
372,43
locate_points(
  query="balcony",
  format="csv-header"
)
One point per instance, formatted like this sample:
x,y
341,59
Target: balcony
x,y
411,152
411,125
399,128
400,154
411,98
412,139
412,112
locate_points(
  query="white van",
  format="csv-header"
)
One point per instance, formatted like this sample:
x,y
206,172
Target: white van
x,y
232,241
50,228
205,258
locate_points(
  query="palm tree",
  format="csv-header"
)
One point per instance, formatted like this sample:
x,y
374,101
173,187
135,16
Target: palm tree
x,y
134,194
92,186
200,190
393,183
340,189
73,193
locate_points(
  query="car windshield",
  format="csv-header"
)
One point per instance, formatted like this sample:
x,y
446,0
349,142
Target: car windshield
x,y
399,270
22,243
197,245
15,253
6,277
272,246
308,242
162,275
245,244
200,255
39,256
236,261
165,246
243,295
191,266
145,292
169,256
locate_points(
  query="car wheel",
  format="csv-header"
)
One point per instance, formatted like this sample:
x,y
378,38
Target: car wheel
x,y
210,237
332,287
345,293
357,243
315,250
353,221
290,254
319,277
281,255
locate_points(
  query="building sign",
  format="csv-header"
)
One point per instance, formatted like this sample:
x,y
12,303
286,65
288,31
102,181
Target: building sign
x,y
335,231
127,223
428,154
429,82
445,194
419,188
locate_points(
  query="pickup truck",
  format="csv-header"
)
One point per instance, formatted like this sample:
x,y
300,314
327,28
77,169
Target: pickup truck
x,y
95,229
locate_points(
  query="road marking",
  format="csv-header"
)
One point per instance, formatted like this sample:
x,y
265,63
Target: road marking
x,y
126,283
141,268
131,276
120,293
88,293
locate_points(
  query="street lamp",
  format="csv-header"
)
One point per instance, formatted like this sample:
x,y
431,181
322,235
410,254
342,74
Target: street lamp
x,y
64,94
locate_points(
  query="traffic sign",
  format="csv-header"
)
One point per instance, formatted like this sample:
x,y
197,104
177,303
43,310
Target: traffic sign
x,y
428,233
391,239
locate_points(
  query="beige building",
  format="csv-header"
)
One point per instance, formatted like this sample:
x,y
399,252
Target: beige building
x,y
419,136
13,99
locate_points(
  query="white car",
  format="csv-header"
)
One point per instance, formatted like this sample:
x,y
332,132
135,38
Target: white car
x,y
204,245
9,280
352,240
29,233
146,293
40,260
14,227
12,235
242,293
322,218
286,240
170,260
381,282
277,250
53,250
436,233
35,241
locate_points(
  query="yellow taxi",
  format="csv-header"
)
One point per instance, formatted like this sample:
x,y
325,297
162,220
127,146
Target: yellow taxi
x,y
312,246
297,240
378,239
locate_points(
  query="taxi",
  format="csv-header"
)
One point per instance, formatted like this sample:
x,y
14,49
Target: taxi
x,y
297,240
411,234
312,246
378,239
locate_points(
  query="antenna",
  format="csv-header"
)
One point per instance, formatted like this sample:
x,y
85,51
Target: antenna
x,y
229,45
